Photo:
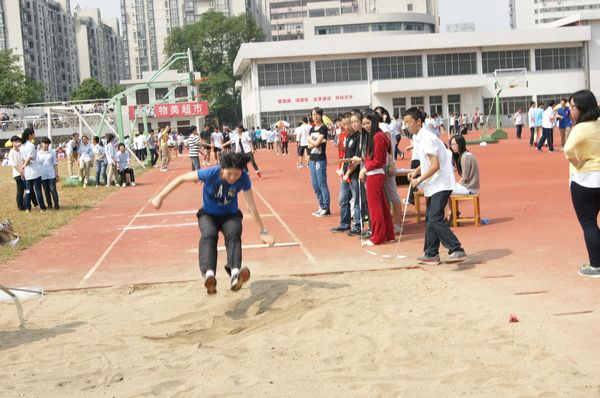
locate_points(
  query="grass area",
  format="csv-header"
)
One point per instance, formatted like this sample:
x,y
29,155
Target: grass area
x,y
35,225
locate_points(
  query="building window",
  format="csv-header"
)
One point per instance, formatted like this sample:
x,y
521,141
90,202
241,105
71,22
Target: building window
x,y
435,105
181,92
545,99
361,27
160,92
327,30
141,97
284,74
453,104
417,102
558,58
409,7
397,67
508,105
492,60
452,64
341,70
399,106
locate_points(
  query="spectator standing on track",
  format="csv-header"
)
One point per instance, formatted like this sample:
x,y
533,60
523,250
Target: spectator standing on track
x,y
33,181
216,140
100,159
152,146
564,122
538,116
205,138
548,120
582,149
531,122
317,146
220,212
48,166
302,133
193,144
518,118
284,141
165,155
436,176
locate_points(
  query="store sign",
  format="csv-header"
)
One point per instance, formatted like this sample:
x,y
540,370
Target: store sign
x,y
180,109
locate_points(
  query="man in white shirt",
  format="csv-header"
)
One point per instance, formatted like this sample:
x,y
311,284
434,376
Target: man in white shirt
x,y
302,133
216,140
72,154
531,121
548,119
431,125
436,176
33,181
518,118
16,163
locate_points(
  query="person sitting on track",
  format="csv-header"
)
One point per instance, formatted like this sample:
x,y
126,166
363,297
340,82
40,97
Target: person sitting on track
x,y
220,212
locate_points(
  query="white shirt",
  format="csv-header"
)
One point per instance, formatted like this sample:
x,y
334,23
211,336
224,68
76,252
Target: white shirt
x,y
99,152
303,133
85,152
443,180
28,151
15,161
384,127
264,134
431,126
518,118
395,127
110,153
531,117
69,147
246,142
46,163
141,141
217,139
547,118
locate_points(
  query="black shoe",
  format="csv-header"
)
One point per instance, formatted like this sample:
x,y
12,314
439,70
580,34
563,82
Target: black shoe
x,y
339,228
323,213
366,234
354,232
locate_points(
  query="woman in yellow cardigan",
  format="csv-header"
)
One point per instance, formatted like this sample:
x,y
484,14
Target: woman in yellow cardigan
x,y
582,149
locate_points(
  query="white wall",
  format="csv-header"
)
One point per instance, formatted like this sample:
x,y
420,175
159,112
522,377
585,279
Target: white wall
x,y
594,58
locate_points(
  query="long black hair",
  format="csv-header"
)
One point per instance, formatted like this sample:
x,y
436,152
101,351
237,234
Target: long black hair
x,y
385,115
373,116
25,136
462,148
586,102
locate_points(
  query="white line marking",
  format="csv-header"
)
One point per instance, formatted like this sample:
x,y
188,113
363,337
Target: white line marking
x,y
310,257
114,242
184,212
263,246
187,224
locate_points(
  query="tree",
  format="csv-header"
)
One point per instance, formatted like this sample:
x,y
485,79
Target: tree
x,y
114,90
89,88
215,41
14,85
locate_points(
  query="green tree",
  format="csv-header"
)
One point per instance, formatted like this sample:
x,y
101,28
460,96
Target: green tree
x,y
14,85
215,41
114,90
89,88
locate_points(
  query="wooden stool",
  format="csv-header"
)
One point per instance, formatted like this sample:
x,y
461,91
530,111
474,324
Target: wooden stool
x,y
454,199
417,198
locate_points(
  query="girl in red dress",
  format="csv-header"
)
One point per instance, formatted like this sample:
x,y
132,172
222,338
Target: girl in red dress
x,y
378,148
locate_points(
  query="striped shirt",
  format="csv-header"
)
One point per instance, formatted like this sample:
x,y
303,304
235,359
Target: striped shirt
x,y
194,145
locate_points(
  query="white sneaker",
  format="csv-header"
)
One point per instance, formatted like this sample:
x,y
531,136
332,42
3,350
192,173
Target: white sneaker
x,y
133,184
123,185
397,229
317,212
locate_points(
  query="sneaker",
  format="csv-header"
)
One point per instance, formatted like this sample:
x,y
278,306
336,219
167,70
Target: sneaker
x,y
397,229
211,285
238,280
132,183
435,260
367,234
354,232
368,243
457,257
339,228
589,271
123,185
323,213
316,212
14,242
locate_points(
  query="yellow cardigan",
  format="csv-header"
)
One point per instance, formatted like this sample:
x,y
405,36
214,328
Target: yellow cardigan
x,y
584,144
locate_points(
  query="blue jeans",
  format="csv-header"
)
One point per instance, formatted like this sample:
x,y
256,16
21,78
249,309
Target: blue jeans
x,y
349,190
547,135
50,192
318,178
100,170
34,185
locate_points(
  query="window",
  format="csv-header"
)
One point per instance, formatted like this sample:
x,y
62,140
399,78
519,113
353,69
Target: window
x,y
141,97
327,30
284,74
435,104
181,92
399,106
544,99
409,7
558,58
454,104
417,102
341,70
452,64
159,93
508,105
397,67
492,60
362,27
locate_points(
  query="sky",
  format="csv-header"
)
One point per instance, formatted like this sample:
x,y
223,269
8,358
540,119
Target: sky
x,y
489,15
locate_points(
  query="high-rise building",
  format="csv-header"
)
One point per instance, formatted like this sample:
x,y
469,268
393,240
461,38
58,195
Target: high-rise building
x,y
99,46
298,19
526,14
41,32
146,24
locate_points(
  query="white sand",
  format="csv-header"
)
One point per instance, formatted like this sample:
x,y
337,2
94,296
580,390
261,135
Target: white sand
x,y
378,334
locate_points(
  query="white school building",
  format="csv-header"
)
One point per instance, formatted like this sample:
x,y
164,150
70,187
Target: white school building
x,y
442,72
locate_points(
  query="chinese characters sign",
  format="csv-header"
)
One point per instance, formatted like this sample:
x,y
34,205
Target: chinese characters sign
x,y
313,99
180,109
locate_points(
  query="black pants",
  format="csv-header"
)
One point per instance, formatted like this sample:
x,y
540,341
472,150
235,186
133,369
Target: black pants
x,y
532,130
153,156
586,202
269,145
122,173
20,192
519,130
231,227
51,193
251,155
547,135
285,147
436,228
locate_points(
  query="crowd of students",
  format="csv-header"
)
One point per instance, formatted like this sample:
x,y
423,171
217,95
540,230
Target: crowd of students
x,y
542,120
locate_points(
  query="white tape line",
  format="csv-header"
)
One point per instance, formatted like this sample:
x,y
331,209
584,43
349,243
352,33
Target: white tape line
x,y
263,246
173,213
137,227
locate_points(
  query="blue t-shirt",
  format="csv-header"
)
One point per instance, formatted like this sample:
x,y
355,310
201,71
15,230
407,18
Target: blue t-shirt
x,y
538,115
220,197
566,118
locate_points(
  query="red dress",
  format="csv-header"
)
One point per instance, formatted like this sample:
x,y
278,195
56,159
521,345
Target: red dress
x,y
382,225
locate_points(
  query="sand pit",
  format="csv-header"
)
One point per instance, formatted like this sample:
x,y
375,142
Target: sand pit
x,y
390,333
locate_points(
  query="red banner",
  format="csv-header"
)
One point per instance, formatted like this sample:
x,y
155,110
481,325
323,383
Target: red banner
x,y
180,109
